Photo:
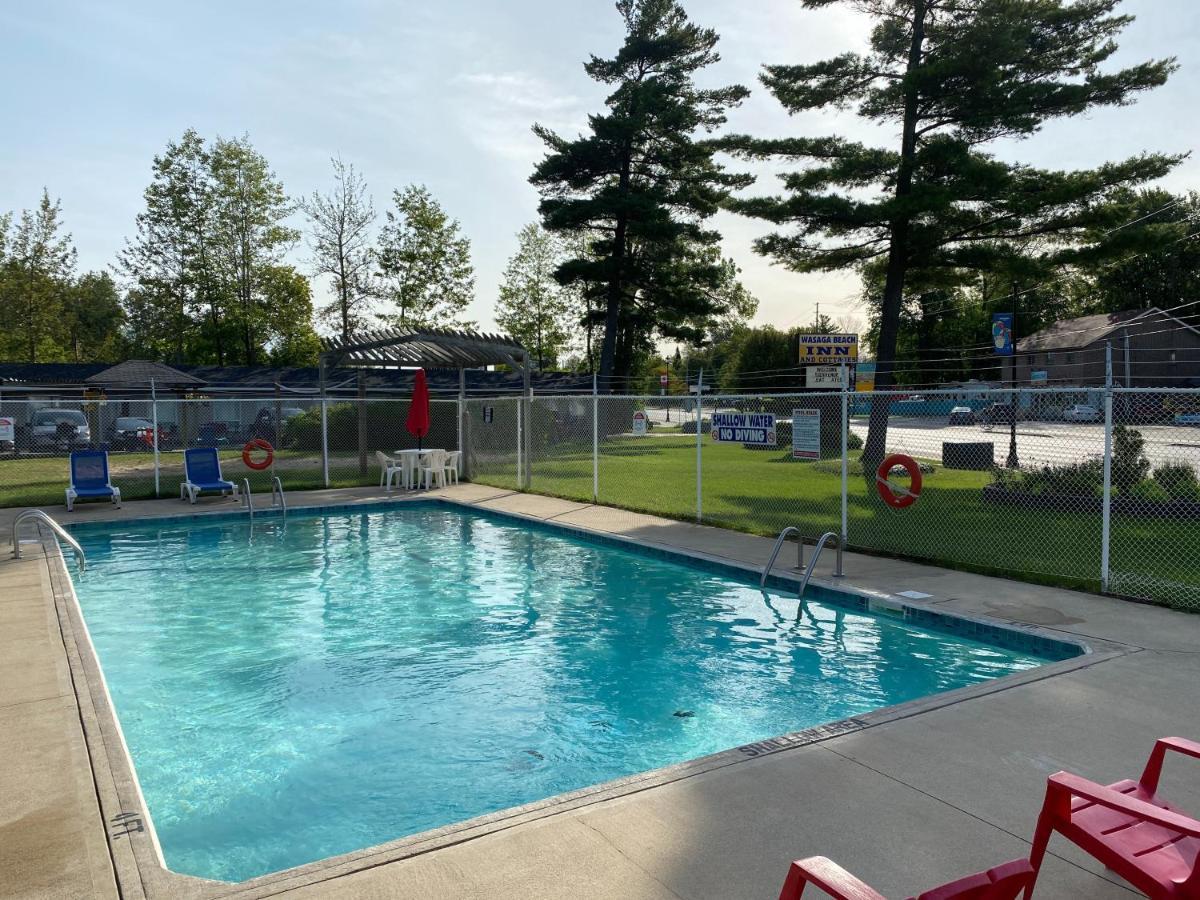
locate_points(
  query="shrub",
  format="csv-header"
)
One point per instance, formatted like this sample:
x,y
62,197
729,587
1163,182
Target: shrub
x,y
1178,481
1085,479
1150,491
1129,464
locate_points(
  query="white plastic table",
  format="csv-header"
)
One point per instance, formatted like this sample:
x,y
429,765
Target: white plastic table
x,y
409,462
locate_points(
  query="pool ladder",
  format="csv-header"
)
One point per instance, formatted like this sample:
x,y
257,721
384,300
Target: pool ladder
x,y
249,500
812,564
26,515
277,492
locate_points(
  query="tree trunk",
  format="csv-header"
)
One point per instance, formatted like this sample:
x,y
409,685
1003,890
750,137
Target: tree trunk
x,y
612,313
897,264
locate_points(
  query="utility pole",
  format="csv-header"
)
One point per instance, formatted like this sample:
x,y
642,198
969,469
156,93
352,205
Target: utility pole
x,y
1012,462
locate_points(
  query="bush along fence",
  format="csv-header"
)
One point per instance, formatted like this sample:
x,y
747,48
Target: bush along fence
x,y
1089,488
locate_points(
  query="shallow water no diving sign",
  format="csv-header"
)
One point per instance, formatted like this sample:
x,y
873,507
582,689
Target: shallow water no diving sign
x,y
754,429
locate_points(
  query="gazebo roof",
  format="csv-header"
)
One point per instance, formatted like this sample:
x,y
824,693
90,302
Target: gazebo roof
x,y
140,372
433,347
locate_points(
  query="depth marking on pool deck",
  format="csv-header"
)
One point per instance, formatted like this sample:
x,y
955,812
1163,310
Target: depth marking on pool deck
x,y
802,738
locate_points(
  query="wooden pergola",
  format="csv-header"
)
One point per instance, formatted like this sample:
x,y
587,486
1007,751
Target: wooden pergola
x,y
440,348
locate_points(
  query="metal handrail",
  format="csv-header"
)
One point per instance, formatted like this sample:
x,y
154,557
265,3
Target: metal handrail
x,y
838,573
775,552
249,501
24,515
277,487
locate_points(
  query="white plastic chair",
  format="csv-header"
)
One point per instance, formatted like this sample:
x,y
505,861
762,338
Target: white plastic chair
x,y
388,469
453,460
433,468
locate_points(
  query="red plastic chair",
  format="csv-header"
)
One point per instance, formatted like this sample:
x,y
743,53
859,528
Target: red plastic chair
x,y
1001,883
1151,844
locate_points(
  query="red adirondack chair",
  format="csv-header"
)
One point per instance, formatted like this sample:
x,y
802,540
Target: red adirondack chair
x,y
1128,827
1001,883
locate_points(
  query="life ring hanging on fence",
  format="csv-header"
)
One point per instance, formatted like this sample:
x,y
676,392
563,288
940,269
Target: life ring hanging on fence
x,y
892,494
258,444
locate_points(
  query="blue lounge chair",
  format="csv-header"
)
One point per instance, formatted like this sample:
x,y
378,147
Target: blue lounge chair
x,y
89,479
202,472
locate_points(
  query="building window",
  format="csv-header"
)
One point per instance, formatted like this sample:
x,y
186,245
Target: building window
x,y
1070,358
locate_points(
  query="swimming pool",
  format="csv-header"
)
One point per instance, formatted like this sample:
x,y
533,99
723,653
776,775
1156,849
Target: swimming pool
x,y
293,692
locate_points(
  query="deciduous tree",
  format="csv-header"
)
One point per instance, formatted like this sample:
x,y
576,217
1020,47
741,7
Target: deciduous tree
x,y
252,237
532,306
424,263
340,242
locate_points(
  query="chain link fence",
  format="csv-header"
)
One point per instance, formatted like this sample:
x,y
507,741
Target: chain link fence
x,y
314,445
1013,482
1080,487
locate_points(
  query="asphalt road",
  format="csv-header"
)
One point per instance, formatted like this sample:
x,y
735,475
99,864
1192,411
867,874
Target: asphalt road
x,y
1037,442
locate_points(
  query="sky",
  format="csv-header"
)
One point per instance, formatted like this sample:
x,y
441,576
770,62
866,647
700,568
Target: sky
x,y
444,94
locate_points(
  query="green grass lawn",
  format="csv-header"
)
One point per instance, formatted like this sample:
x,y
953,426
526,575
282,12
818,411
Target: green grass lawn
x,y
764,491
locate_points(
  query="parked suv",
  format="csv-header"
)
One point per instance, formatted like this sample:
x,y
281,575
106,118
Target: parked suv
x,y
59,428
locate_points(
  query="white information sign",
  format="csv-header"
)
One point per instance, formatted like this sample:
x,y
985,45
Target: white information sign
x,y
8,430
823,376
639,423
806,434
755,429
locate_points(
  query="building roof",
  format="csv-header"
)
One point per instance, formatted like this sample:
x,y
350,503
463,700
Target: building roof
x,y
1072,334
434,347
143,372
259,381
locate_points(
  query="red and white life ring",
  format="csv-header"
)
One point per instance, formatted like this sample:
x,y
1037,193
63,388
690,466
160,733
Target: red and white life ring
x,y
258,444
892,494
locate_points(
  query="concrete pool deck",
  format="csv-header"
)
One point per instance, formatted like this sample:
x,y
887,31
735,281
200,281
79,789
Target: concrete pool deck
x,y
906,803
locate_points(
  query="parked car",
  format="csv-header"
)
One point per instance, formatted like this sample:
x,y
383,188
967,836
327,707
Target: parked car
x,y
1081,412
215,434
962,415
51,429
997,414
131,433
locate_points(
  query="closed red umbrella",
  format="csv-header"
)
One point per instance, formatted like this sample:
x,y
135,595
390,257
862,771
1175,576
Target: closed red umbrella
x,y
418,412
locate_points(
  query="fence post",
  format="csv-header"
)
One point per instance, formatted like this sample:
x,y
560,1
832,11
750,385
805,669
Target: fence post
x,y
325,440
699,444
1106,515
595,442
362,423
520,464
154,422
845,454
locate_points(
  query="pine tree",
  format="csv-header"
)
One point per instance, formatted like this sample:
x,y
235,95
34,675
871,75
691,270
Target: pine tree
x,y
424,263
532,307
341,246
642,183
953,76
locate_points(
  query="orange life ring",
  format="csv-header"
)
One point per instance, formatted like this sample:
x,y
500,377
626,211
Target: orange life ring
x,y
258,444
892,494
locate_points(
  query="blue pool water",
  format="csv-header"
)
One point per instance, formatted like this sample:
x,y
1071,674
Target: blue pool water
x,y
297,692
